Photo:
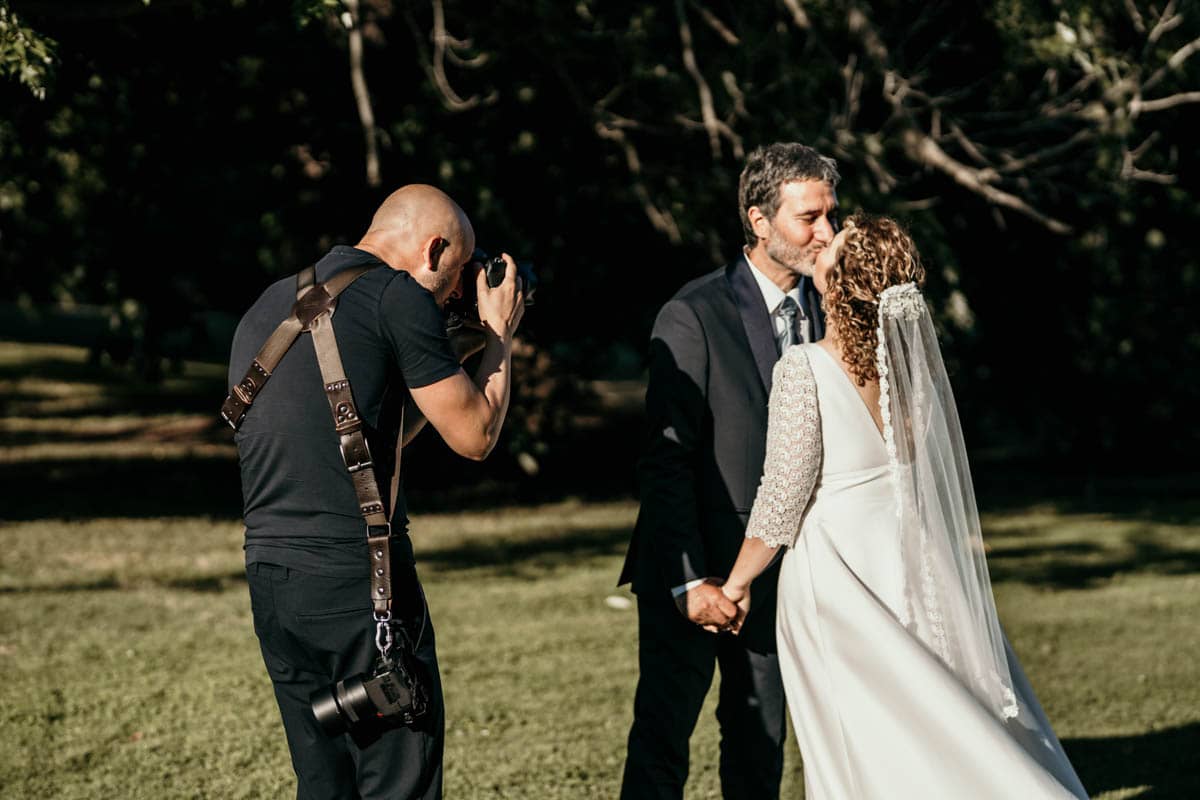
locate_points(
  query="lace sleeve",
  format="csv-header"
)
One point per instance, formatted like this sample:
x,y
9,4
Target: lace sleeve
x,y
793,459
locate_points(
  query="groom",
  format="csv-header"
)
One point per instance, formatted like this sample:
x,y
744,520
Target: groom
x,y
712,351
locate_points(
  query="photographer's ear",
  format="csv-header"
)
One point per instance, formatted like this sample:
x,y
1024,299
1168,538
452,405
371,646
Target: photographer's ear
x,y
433,252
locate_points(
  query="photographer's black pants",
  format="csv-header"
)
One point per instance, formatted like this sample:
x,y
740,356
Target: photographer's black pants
x,y
315,630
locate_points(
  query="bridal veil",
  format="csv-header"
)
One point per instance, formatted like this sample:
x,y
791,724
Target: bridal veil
x,y
948,600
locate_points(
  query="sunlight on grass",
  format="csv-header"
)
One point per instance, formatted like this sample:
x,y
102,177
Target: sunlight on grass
x,y
539,670
130,667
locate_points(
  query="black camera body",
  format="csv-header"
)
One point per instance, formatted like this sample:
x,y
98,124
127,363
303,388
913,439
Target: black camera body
x,y
466,307
493,267
365,706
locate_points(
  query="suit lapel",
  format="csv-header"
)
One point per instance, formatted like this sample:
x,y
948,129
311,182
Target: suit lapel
x,y
753,310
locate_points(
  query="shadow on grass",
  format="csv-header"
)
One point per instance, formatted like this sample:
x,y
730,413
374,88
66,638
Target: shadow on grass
x,y
106,583
1078,565
192,429
24,404
1167,496
545,553
51,368
135,487
120,392
204,584
150,488
207,584
1167,761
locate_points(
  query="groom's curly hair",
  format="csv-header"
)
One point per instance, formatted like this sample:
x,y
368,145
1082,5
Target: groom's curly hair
x,y
877,253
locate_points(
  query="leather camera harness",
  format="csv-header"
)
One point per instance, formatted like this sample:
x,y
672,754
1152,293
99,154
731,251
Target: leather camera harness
x,y
313,313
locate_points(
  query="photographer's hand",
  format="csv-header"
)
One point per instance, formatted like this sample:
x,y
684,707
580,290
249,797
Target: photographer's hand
x,y
501,308
469,413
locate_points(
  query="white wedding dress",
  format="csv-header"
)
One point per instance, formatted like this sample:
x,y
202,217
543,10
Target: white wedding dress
x,y
878,713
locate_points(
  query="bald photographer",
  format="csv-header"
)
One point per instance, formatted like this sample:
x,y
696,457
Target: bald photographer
x,y
330,369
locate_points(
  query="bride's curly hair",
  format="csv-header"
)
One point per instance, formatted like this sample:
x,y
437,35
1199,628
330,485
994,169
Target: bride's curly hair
x,y
877,253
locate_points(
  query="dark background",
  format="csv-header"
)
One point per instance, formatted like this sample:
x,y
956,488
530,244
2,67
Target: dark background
x,y
186,154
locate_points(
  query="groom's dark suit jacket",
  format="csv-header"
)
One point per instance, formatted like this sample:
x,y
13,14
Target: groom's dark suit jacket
x,y
712,352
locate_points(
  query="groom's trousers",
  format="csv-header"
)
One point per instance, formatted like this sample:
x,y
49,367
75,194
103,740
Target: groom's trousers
x,y
316,629
677,660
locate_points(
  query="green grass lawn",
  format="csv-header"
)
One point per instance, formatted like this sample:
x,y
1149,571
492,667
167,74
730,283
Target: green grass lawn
x,y
129,667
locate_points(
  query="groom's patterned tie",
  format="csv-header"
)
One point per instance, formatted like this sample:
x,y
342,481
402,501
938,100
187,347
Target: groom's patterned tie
x,y
787,311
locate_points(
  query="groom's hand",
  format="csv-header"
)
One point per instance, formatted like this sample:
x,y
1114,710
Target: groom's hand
x,y
707,606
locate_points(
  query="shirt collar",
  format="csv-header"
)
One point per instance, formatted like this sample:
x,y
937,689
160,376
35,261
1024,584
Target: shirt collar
x,y
772,294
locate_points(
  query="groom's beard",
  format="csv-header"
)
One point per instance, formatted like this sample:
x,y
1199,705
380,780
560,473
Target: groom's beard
x,y
799,260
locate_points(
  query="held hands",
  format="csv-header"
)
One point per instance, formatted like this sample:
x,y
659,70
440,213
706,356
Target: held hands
x,y
501,309
707,606
740,597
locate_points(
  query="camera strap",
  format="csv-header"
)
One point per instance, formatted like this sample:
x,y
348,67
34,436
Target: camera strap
x,y
313,313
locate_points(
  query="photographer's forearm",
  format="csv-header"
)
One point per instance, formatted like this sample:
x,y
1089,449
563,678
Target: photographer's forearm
x,y
494,378
466,341
469,411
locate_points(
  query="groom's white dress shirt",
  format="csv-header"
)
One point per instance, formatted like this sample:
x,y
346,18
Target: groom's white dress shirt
x,y
773,297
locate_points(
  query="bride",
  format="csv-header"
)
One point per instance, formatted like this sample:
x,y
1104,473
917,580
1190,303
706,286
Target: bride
x,y
899,680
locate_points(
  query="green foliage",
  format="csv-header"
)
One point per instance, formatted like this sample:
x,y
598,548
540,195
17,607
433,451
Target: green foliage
x,y
306,12
25,55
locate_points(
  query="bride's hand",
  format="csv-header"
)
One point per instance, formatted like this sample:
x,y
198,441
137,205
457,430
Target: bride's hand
x,y
740,596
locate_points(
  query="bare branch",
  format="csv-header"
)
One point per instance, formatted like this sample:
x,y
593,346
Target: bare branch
x,y
621,123
799,18
660,219
1138,106
1069,103
1131,172
443,43
969,147
1053,151
362,96
921,148
1167,21
1164,179
861,26
852,83
1141,149
924,150
1174,62
735,93
923,204
1135,16
715,127
475,62
885,180
714,22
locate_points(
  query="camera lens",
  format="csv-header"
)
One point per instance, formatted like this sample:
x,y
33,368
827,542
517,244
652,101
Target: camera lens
x,y
342,705
325,709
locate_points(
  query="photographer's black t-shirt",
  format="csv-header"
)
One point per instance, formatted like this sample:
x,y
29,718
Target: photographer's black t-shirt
x,y
299,504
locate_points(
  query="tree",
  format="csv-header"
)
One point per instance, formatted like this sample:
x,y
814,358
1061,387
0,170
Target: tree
x,y
1038,151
